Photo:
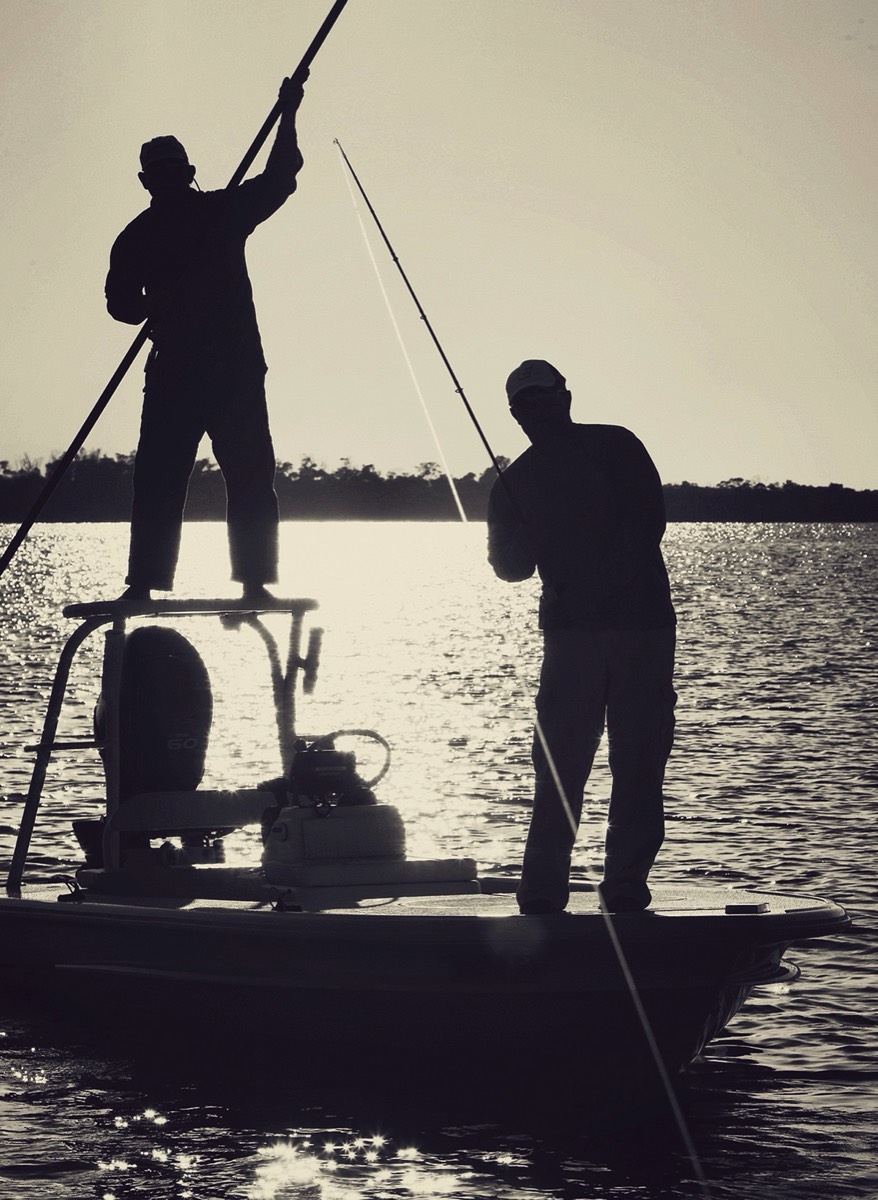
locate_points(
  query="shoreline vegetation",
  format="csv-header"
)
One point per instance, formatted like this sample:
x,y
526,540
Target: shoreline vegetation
x,y
97,487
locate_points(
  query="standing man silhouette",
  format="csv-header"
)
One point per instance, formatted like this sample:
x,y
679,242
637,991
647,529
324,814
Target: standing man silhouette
x,y
583,505
180,265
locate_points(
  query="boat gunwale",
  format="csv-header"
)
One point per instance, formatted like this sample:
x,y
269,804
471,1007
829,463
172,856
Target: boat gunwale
x,y
812,917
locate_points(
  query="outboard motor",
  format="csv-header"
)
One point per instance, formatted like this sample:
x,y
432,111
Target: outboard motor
x,y
165,712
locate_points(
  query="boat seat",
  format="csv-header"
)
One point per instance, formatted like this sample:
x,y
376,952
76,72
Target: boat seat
x,y
349,853
342,832
320,899
313,886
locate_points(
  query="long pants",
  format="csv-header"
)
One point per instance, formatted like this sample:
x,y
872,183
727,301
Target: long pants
x,y
621,678
179,407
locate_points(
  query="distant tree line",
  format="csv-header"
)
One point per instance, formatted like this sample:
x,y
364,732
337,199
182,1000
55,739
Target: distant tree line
x,y
97,487
740,500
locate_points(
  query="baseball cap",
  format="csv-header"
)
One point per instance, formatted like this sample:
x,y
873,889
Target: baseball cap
x,y
159,148
533,372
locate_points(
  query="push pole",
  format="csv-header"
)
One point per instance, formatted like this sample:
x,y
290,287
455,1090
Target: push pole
x,y
73,449
308,57
135,347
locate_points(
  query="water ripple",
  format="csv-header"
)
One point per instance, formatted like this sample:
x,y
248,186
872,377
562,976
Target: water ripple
x,y
773,783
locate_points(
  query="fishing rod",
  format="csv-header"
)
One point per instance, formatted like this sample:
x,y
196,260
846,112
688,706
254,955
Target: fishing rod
x,y
457,385
131,354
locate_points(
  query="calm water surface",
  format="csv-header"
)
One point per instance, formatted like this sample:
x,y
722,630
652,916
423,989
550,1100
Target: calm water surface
x,y
773,783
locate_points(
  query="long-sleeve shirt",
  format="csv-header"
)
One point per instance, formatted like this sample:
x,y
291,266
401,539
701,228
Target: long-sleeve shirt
x,y
181,265
586,511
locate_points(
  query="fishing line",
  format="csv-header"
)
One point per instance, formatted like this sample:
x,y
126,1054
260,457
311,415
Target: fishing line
x,y
422,314
439,449
609,923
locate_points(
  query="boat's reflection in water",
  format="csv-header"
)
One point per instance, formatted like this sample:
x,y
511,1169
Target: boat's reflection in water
x,y
150,1126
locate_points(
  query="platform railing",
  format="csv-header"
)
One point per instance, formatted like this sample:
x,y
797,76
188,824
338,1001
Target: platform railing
x,y
117,613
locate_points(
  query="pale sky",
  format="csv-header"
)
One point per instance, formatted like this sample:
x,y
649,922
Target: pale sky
x,y
672,200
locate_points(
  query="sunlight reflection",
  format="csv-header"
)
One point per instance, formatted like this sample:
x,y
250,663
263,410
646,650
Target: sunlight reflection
x,y
283,1164
25,1076
431,1183
343,1169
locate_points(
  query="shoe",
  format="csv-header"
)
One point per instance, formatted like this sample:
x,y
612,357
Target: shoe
x,y
136,593
625,902
255,591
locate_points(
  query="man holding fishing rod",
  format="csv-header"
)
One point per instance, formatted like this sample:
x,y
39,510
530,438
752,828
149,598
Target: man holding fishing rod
x,y
583,506
181,267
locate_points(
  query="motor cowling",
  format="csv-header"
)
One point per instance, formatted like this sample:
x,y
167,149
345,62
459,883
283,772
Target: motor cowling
x,y
165,713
